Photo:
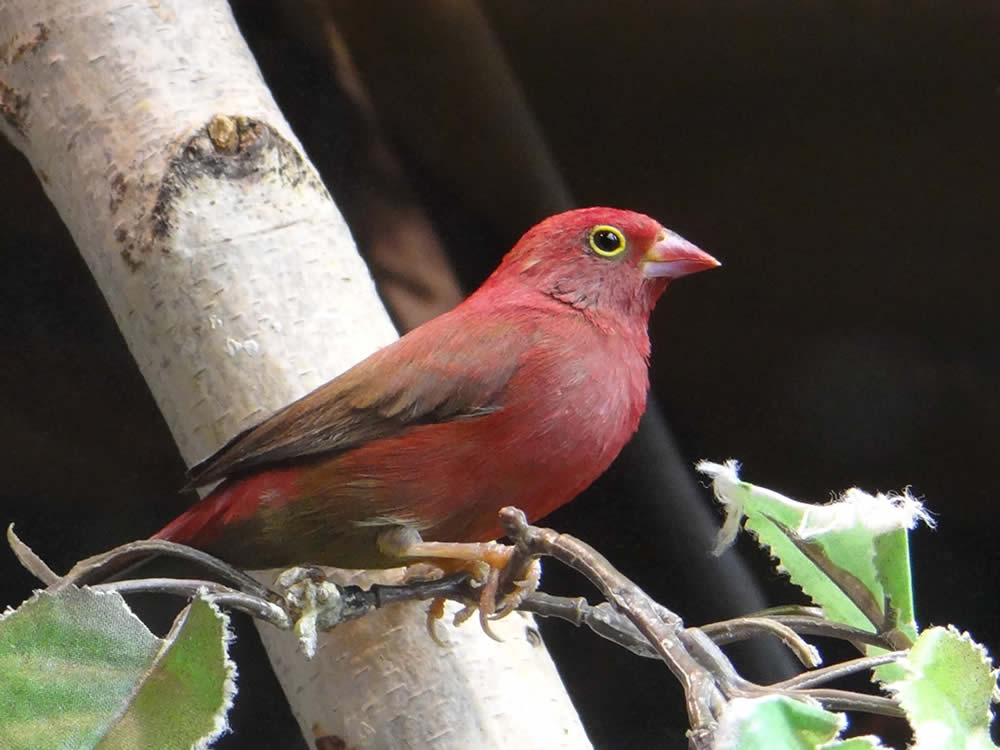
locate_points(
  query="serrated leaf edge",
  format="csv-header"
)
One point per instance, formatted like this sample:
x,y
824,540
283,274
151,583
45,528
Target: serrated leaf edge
x,y
229,689
896,688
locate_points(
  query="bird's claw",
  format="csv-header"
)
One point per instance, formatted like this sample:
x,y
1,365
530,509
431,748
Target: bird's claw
x,y
523,587
487,575
485,561
435,612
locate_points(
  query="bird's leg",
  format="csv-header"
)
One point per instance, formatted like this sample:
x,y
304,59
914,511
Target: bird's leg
x,y
485,560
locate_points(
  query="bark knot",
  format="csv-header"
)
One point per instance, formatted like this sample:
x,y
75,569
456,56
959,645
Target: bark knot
x,y
14,108
16,49
226,148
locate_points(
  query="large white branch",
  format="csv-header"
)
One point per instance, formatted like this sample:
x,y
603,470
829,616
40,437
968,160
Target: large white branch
x,y
238,288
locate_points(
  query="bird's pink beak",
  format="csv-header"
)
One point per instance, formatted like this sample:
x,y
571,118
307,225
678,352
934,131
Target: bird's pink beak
x,y
673,256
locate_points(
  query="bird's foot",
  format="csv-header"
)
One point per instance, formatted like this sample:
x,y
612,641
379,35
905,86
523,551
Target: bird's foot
x,y
522,585
486,561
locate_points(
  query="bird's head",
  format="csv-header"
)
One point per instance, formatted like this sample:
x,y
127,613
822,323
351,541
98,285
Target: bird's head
x,y
602,261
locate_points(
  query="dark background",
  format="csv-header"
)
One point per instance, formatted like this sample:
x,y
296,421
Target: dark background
x,y
840,158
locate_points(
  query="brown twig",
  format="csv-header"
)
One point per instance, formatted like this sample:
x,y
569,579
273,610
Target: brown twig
x,y
742,628
706,674
702,696
99,567
224,596
836,671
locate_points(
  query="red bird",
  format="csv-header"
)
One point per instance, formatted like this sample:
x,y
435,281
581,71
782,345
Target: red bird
x,y
522,395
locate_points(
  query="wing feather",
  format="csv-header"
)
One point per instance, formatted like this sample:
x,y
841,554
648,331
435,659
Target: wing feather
x,y
443,371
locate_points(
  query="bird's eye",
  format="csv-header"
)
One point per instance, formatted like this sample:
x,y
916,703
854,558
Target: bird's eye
x,y
607,241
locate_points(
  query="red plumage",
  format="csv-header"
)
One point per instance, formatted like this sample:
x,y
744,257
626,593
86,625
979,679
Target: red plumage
x,y
522,395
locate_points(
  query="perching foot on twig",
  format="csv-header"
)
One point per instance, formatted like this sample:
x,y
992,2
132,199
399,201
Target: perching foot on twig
x,y
486,561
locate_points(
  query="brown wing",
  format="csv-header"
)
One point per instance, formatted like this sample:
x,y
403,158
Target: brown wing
x,y
442,371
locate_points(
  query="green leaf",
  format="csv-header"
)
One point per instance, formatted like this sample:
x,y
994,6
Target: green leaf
x,y
78,669
781,723
947,691
851,557
867,742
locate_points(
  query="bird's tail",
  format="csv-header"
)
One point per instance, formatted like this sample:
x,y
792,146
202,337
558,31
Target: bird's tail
x,y
196,522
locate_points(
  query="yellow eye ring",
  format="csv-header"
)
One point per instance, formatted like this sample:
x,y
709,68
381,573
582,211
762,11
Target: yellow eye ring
x,y
607,241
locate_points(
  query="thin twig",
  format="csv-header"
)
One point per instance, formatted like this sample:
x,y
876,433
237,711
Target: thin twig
x,y
836,671
712,659
742,628
732,685
701,694
602,619
31,562
189,588
844,700
101,565
811,625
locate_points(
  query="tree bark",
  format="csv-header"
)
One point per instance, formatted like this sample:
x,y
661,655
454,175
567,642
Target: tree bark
x,y
237,288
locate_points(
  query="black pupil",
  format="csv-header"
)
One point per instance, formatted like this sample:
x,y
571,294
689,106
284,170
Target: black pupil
x,y
607,241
